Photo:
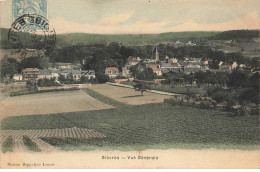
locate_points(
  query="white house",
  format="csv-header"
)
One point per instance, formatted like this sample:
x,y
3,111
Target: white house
x,y
18,77
112,72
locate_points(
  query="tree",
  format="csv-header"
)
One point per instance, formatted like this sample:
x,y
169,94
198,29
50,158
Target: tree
x,y
101,77
61,78
238,79
9,67
140,87
255,61
84,79
45,82
35,62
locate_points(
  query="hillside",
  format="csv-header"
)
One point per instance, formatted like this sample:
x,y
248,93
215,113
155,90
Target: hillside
x,y
236,34
125,39
128,39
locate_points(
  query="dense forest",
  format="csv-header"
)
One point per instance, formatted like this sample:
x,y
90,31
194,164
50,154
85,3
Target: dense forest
x,y
236,34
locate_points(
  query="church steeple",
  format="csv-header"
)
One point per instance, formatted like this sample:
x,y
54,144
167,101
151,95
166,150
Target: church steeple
x,y
156,54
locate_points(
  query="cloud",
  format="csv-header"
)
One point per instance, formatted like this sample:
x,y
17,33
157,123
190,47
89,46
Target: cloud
x,y
250,21
114,25
115,20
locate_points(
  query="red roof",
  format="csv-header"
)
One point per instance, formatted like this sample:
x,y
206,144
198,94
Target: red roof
x,y
153,66
255,68
31,69
111,68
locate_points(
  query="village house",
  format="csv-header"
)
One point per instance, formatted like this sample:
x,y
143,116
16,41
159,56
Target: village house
x,y
18,77
155,67
88,74
45,74
112,72
191,68
48,73
255,69
225,66
63,66
66,73
126,71
30,73
55,74
133,60
76,74
204,61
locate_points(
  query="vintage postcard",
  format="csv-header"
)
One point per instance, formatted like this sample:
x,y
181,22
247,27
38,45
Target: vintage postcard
x,y
119,84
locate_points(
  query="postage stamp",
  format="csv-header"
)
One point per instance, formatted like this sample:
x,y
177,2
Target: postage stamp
x,y
21,7
30,33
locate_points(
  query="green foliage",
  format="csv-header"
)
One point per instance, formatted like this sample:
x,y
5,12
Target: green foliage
x,y
178,90
41,91
219,94
45,82
255,61
30,144
102,78
127,39
104,99
237,34
12,94
8,145
35,62
30,85
9,67
140,71
238,79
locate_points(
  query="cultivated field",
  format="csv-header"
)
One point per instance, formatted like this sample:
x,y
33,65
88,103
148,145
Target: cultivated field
x,y
35,135
127,95
49,103
150,125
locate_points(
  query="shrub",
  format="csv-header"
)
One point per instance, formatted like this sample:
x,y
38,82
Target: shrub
x,y
30,144
8,145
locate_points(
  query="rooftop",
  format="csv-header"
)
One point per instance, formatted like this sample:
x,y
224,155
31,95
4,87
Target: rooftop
x,y
30,69
111,68
45,72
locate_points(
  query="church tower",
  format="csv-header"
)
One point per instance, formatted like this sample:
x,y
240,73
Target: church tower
x,y
156,54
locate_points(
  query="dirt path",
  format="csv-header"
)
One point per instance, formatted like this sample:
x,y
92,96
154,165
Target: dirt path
x,y
18,145
45,147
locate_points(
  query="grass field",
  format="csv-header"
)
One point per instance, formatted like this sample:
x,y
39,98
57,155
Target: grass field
x,y
171,89
127,95
148,126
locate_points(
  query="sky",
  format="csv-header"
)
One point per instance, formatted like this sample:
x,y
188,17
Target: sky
x,y
146,16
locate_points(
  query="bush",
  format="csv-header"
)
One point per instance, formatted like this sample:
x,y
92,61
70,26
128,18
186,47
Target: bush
x,y
254,111
239,112
47,82
30,144
8,145
41,91
102,78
